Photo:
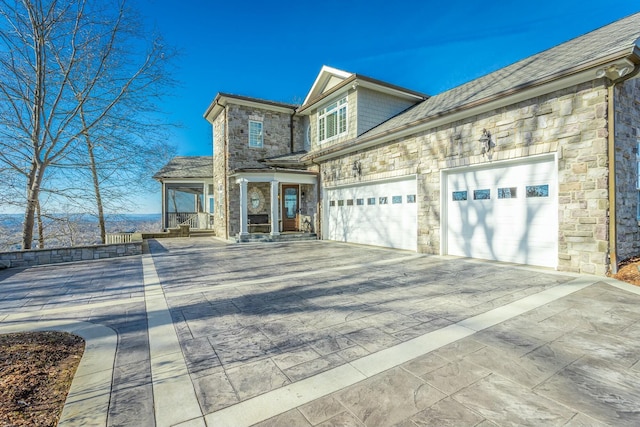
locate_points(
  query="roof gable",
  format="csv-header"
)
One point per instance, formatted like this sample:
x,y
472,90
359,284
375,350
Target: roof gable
x,y
327,78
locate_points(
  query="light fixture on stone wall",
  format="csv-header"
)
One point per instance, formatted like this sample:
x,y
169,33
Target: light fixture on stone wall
x,y
487,142
357,168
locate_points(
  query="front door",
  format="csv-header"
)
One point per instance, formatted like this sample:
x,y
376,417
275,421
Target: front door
x,y
290,207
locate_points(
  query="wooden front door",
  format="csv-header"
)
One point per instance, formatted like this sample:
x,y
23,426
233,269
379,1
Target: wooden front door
x,y
290,202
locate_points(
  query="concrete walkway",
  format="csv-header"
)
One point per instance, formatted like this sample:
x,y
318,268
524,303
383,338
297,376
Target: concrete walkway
x,y
200,333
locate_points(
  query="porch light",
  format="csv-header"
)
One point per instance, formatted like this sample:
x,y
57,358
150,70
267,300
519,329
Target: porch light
x,y
486,142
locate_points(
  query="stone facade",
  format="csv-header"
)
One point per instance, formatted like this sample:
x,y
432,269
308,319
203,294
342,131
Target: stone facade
x,y
35,257
627,136
283,133
571,124
220,173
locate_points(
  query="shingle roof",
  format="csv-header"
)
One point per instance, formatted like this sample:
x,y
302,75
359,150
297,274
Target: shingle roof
x,y
286,159
187,167
618,37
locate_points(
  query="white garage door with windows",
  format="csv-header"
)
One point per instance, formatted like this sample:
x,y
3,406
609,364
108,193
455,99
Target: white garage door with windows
x,y
379,214
505,212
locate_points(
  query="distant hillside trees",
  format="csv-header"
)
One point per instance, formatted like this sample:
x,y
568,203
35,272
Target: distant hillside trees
x,y
80,125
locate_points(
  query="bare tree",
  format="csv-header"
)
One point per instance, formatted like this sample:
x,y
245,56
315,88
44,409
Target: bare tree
x,y
68,70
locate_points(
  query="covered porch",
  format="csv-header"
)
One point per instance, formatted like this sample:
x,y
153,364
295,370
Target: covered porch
x,y
187,192
276,202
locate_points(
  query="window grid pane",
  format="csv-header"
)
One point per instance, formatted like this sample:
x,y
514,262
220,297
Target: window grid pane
x,y
255,134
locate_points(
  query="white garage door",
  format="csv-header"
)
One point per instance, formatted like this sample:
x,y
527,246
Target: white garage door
x,y
380,214
505,213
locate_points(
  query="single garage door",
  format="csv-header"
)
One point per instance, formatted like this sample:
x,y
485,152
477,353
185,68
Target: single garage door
x,y
379,214
505,213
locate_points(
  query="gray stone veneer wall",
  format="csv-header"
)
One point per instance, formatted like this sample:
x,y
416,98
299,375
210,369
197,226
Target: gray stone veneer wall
x,y
277,142
570,123
627,133
34,257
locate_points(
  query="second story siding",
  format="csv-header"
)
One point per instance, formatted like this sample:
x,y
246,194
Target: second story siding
x,y
376,107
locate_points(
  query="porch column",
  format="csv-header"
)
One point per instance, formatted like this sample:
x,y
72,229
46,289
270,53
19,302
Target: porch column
x,y
243,207
165,219
275,220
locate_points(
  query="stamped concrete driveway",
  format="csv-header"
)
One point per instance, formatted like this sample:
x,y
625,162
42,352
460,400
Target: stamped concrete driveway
x,y
197,332
327,334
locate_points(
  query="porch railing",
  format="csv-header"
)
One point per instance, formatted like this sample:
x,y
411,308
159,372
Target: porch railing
x,y
176,219
115,238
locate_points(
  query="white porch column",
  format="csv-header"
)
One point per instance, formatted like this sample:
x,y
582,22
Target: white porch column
x,y
165,220
243,207
275,219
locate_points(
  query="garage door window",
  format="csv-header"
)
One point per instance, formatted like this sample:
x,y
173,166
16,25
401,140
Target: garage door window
x,y
411,198
507,193
537,190
332,203
459,196
349,202
382,201
396,200
484,194
340,202
360,202
371,201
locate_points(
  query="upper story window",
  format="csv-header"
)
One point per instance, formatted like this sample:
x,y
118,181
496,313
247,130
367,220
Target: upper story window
x,y
332,120
255,134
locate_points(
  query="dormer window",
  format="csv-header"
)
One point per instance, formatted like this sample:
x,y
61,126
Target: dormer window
x,y
332,120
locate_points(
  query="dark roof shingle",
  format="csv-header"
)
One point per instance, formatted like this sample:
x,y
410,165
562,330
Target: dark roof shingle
x,y
187,167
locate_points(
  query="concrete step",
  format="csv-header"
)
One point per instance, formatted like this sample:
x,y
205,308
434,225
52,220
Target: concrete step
x,y
283,237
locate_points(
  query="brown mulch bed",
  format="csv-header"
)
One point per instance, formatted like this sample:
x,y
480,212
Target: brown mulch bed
x,y
628,271
36,370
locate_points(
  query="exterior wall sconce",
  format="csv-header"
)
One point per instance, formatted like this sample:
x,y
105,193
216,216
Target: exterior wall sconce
x,y
486,142
357,168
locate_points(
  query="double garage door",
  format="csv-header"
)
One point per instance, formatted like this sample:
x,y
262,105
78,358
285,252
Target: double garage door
x,y
506,213
380,214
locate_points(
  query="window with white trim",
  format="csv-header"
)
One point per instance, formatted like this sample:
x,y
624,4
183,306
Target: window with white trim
x,y
332,120
255,134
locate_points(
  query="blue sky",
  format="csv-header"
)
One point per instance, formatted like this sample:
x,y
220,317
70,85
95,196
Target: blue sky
x,y
274,50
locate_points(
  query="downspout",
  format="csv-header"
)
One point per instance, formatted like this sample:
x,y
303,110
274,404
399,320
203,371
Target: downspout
x,y
291,145
611,153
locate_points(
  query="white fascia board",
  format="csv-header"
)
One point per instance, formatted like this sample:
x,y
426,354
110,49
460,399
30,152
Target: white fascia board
x,y
389,90
262,106
323,75
188,180
268,176
222,101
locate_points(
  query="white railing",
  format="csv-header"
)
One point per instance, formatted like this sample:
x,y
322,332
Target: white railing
x,y
178,218
114,238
